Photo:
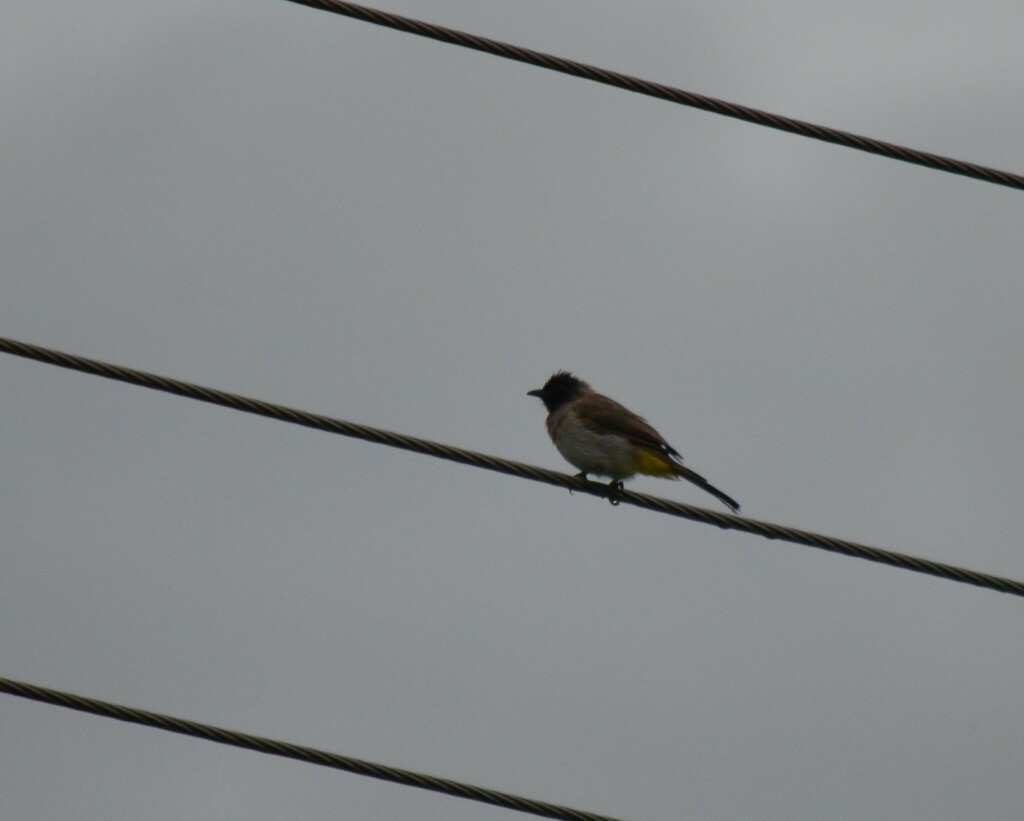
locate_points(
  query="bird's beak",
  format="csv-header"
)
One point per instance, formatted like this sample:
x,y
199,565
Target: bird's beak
x,y
539,393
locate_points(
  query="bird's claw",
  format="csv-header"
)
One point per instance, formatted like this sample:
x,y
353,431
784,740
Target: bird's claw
x,y
582,475
615,487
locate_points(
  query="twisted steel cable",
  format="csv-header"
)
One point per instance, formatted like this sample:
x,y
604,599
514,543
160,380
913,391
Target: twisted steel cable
x,y
664,92
309,755
499,465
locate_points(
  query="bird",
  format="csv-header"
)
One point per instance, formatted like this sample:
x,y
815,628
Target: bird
x,y
598,435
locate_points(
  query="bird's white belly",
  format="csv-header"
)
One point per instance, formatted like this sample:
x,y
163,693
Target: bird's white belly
x,y
611,456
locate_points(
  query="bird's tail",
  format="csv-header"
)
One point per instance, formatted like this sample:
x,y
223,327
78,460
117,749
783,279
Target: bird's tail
x,y
684,472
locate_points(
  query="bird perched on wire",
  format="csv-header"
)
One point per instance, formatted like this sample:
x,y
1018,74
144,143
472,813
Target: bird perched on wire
x,y
598,435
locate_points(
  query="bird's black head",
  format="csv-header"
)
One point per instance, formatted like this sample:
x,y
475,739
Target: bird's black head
x,y
561,388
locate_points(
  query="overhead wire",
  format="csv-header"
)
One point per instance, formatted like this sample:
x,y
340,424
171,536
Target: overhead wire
x,y
481,460
665,92
282,413
309,755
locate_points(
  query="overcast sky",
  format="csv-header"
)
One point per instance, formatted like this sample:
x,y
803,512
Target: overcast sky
x,y
315,211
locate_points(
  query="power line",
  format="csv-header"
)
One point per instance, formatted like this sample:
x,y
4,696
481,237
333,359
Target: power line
x,y
495,463
308,755
664,92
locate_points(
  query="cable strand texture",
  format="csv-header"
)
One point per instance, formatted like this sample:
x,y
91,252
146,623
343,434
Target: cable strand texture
x,y
665,92
523,471
309,755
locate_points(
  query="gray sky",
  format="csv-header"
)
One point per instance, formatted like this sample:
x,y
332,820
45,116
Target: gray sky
x,y
287,204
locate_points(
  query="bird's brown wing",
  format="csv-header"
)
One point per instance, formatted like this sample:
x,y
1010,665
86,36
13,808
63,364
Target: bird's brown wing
x,y
603,415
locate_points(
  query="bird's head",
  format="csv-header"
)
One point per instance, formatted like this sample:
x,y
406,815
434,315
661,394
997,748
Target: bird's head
x,y
562,387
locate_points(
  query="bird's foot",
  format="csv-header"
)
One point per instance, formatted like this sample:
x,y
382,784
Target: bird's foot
x,y
581,475
615,487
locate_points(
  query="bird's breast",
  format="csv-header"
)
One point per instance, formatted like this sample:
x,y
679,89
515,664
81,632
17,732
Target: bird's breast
x,y
608,455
